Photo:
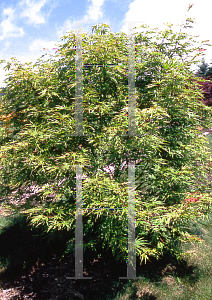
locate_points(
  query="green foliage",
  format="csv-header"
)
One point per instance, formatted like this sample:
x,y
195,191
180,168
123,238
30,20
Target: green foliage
x,y
40,147
203,67
204,71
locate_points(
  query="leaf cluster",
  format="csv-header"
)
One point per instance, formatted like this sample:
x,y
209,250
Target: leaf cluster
x,y
38,143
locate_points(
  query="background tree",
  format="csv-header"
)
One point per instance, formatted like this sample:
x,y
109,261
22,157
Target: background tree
x,y
208,73
204,75
204,70
167,149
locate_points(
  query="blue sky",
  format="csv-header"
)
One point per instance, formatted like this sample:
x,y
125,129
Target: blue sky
x,y
28,26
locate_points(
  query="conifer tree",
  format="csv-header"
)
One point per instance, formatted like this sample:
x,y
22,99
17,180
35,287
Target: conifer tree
x,y
203,69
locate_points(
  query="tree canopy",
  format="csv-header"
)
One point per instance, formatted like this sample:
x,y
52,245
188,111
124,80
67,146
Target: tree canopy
x,y
38,144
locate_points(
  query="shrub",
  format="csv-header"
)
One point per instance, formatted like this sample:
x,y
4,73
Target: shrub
x,y
168,151
206,86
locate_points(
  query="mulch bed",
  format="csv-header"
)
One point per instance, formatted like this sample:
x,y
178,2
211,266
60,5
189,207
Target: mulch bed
x,y
47,280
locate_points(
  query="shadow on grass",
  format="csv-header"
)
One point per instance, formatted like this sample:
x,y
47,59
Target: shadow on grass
x,y
31,262
167,278
21,245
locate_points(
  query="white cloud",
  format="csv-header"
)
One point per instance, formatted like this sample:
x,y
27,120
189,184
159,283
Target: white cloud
x,y
7,45
94,11
158,13
32,11
7,27
39,44
67,26
93,14
155,13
